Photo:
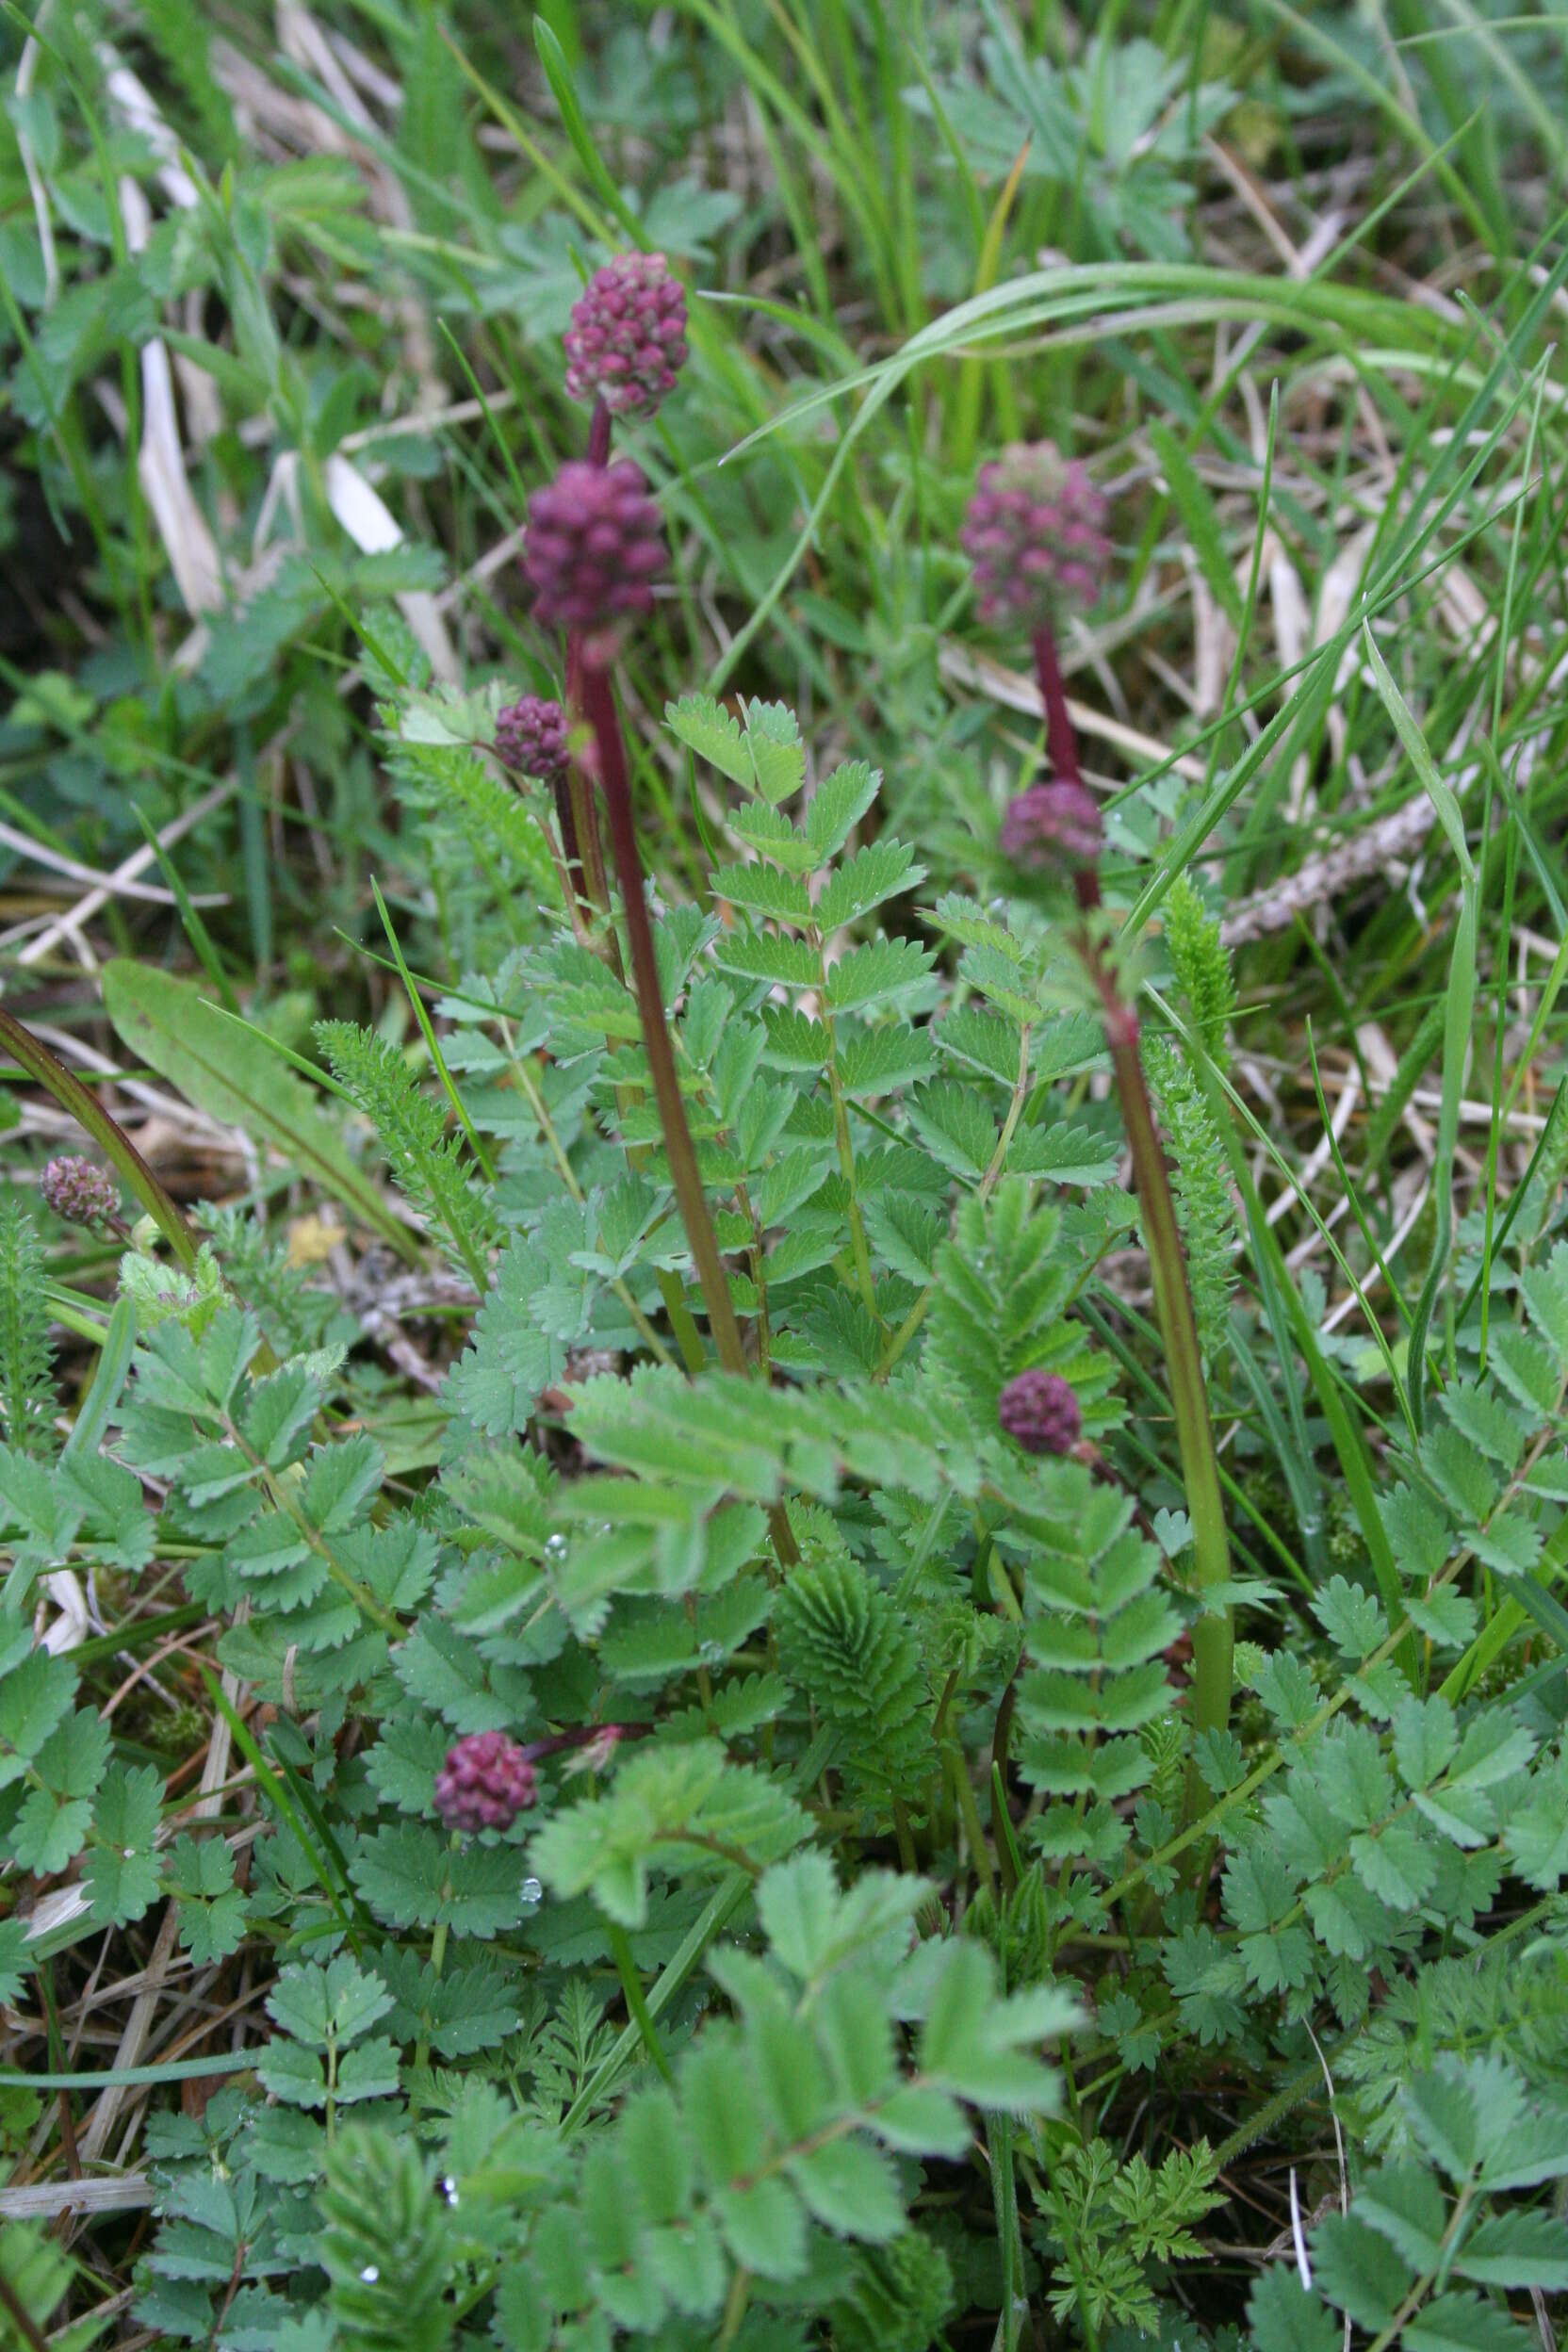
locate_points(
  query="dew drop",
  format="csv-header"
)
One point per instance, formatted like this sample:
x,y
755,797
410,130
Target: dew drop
x,y
555,1546
369,2273
449,2189
128,1853
530,1890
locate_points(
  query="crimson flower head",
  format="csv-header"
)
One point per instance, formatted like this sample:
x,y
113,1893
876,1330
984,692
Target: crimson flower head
x,y
530,738
486,1781
1054,824
1040,1411
595,546
80,1192
626,342
1035,535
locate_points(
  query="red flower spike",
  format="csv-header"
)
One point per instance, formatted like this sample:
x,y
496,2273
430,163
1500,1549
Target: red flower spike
x,y
1039,1410
80,1192
595,548
1035,535
486,1781
530,738
626,342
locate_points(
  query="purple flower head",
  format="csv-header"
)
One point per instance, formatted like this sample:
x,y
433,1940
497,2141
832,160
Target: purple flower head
x,y
486,1781
1035,535
530,738
80,1192
1056,823
1040,1411
626,342
595,545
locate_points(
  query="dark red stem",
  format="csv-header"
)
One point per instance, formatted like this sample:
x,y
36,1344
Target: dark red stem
x,y
1061,743
598,708
567,822
587,871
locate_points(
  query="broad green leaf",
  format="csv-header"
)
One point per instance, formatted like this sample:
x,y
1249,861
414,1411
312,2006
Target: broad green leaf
x,y
226,1071
1284,2317
707,728
778,755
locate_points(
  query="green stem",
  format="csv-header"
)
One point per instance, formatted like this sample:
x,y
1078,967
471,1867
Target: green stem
x,y
1213,1638
1212,1635
636,2002
599,707
970,1813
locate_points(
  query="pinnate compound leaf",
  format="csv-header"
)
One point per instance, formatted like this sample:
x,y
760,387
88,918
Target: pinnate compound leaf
x,y
316,2005
1284,2317
410,1878
879,1060
1517,2249
49,1831
122,1869
872,974
1063,1155
687,1803
813,1928
765,890
1464,2322
1357,2268
704,726
851,2188
881,870
974,2042
777,754
837,805
34,1697
957,1128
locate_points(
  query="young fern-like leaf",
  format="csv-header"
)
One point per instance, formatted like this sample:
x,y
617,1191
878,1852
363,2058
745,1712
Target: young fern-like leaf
x,y
384,2245
1114,2218
846,1644
898,2300
427,1162
1202,963
27,1397
181,32
1205,1208
452,783
1098,1620
1003,1281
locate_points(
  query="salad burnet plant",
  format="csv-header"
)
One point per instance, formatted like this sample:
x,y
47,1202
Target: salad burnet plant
x,y
761,1832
